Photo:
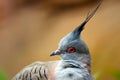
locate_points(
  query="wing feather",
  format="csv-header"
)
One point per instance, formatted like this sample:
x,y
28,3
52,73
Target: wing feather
x,y
35,71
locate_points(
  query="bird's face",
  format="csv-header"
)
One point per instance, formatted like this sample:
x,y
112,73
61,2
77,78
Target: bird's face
x,y
72,49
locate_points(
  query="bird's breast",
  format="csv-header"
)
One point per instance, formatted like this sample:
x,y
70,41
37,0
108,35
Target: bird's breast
x,y
67,70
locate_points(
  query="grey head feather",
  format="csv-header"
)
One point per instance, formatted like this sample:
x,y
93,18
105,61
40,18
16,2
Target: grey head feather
x,y
73,40
76,32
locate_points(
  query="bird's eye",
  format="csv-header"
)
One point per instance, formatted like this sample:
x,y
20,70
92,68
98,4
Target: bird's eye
x,y
71,50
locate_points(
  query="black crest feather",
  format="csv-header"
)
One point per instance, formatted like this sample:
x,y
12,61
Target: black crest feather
x,y
78,30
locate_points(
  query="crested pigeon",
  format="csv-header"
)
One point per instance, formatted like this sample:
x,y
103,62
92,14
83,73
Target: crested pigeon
x,y
75,63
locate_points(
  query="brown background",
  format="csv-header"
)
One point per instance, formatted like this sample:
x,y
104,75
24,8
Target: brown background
x,y
31,29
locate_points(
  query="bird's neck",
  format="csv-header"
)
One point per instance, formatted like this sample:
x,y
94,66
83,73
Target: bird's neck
x,y
86,60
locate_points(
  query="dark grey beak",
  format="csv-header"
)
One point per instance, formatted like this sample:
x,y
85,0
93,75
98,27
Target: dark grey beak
x,y
57,52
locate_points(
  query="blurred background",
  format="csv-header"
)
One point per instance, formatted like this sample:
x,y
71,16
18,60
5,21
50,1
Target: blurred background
x,y
31,29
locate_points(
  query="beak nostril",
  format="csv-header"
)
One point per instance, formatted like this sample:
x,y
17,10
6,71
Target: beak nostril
x,y
58,51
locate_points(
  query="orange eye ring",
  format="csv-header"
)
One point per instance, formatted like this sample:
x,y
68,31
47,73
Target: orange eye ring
x,y
71,50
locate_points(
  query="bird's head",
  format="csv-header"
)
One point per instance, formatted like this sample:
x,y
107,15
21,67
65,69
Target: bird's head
x,y
72,47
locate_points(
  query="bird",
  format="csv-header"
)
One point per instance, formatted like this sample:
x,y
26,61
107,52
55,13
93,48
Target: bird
x,y
75,62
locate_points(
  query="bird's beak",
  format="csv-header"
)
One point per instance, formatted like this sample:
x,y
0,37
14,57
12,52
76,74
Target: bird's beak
x,y
57,52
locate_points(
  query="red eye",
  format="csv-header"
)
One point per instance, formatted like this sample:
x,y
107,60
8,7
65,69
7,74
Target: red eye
x,y
71,50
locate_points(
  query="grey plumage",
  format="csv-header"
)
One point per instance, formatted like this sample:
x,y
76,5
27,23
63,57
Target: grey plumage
x,y
75,63
71,70
73,48
74,40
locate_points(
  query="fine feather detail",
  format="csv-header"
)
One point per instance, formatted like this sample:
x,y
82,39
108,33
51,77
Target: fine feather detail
x,y
36,71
